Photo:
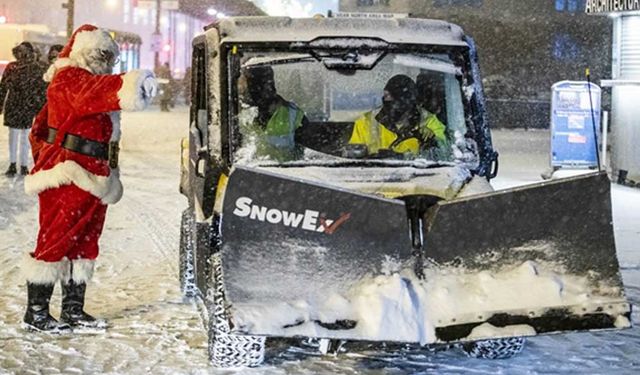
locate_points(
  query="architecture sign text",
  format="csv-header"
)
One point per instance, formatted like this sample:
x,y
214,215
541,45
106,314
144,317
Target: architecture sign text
x,y
608,6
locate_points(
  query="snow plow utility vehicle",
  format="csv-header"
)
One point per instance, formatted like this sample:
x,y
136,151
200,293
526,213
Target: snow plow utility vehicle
x,y
311,216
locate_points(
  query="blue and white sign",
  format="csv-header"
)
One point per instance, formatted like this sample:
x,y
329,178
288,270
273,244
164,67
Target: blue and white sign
x,y
573,112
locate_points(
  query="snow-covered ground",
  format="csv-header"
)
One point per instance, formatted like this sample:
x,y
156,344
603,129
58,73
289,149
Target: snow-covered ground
x,y
136,289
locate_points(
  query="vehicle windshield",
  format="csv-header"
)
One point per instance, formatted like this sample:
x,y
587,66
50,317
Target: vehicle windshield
x,y
328,104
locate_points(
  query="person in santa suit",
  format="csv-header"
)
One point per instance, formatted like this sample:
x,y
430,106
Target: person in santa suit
x,y
74,145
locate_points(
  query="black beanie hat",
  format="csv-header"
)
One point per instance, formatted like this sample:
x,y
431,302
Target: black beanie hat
x,y
260,73
402,88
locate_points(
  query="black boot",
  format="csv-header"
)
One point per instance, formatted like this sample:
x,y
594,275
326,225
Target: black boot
x,y
11,171
37,317
24,170
73,307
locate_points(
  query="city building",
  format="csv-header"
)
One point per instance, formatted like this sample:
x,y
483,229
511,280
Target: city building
x,y
133,23
625,86
524,47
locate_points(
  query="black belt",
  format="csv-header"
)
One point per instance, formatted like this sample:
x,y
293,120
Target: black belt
x,y
98,150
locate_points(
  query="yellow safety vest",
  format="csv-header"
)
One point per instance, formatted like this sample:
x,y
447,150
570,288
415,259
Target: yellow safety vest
x,y
376,136
277,139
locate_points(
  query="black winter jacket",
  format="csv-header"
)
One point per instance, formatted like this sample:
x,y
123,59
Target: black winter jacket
x,y
22,93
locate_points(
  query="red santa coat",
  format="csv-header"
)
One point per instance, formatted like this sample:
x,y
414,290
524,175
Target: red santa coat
x,y
85,105
73,188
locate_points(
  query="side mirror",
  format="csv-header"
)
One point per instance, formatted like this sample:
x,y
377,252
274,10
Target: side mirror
x,y
199,131
355,151
494,165
202,125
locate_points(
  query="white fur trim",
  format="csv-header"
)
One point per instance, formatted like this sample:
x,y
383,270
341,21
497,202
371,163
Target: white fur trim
x,y
115,124
62,63
41,272
131,94
108,189
82,270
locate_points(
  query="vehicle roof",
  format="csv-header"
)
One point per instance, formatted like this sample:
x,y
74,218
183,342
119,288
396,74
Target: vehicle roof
x,y
391,30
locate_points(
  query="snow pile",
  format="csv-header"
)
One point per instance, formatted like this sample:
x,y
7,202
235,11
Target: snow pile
x,y
385,308
401,307
529,286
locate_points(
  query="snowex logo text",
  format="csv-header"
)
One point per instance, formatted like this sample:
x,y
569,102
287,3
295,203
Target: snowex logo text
x,y
310,220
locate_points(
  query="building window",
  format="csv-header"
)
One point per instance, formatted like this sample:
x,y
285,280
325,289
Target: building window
x,y
457,3
565,47
371,3
572,6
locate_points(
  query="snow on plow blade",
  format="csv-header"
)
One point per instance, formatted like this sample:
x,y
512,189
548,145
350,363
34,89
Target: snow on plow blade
x,y
304,259
293,250
525,261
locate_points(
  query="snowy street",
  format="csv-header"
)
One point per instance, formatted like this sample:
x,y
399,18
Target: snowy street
x,y
136,288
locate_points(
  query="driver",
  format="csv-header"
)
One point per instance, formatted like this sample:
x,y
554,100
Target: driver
x,y
399,127
277,120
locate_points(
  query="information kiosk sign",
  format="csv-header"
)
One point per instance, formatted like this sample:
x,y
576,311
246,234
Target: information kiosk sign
x,y
574,108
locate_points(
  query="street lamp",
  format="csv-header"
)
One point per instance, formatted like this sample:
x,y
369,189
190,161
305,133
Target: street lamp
x,y
70,7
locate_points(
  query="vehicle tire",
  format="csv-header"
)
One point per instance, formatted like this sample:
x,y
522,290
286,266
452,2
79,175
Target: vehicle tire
x,y
494,349
225,349
187,266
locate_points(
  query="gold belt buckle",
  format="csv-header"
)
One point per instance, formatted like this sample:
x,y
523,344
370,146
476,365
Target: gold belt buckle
x,y
114,150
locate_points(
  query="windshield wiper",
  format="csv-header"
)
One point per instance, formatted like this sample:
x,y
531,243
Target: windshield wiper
x,y
278,60
348,59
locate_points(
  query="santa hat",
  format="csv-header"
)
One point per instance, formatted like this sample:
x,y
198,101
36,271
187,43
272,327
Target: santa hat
x,y
86,37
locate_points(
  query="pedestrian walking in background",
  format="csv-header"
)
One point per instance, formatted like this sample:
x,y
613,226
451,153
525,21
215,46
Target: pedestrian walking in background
x,y
163,73
186,85
53,53
22,95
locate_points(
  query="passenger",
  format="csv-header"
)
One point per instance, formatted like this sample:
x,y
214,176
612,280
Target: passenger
x,y
277,120
431,100
399,126
431,94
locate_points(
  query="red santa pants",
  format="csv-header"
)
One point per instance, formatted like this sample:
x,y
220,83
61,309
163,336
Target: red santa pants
x,y
71,222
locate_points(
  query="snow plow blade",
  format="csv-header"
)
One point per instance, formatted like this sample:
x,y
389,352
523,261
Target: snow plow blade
x,y
303,259
532,260
290,243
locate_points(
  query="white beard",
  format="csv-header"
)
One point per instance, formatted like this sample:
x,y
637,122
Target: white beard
x,y
95,63
100,67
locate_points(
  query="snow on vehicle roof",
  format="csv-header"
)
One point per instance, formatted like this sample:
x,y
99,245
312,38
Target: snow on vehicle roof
x,y
427,63
285,29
